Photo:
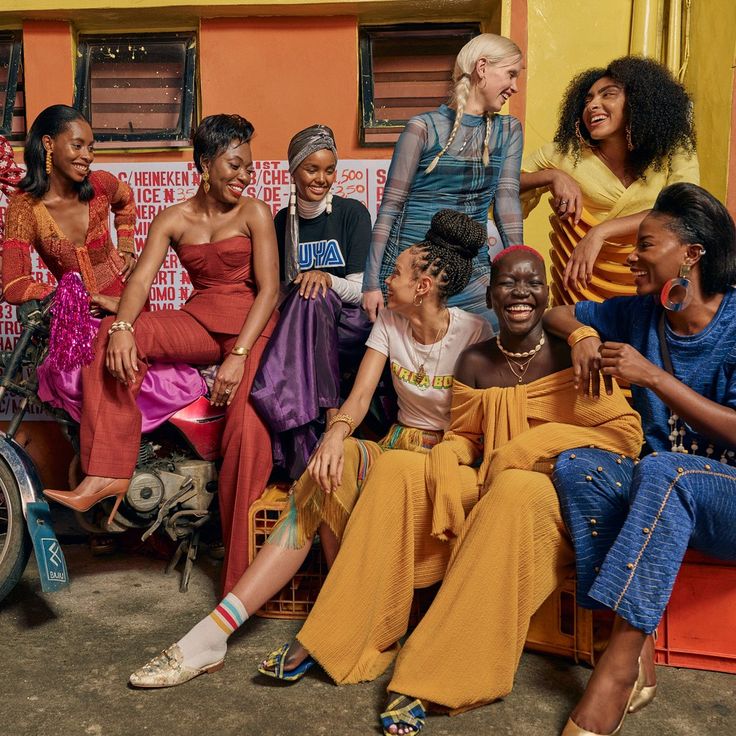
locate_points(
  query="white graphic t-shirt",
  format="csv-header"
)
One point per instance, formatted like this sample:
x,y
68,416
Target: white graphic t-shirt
x,y
425,396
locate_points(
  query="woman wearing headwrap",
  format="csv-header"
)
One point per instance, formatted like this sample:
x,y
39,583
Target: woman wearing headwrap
x,y
323,243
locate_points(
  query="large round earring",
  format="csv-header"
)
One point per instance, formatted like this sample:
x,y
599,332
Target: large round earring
x,y
328,203
206,181
418,303
49,162
292,199
485,82
580,137
676,294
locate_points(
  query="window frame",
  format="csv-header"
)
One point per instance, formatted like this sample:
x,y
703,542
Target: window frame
x,y
366,36
182,133
11,92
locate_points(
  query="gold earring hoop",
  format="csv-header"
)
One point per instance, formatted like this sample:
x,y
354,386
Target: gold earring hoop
x,y
49,162
580,137
418,303
206,181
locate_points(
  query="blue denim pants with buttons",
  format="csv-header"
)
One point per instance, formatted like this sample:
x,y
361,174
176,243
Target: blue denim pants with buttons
x,y
631,524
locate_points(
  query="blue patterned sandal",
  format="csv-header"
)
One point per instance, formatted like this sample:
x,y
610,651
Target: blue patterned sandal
x,y
273,666
403,711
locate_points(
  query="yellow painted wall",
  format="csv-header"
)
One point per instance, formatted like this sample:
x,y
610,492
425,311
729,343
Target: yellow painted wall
x,y
565,38
710,79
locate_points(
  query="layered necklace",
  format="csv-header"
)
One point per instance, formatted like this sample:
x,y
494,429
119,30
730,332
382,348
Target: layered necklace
x,y
420,372
522,361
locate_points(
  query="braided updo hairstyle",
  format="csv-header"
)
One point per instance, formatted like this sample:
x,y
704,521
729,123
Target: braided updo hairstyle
x,y
447,251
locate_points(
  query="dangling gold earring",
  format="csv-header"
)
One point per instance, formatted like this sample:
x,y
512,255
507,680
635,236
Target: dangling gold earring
x,y
579,136
328,203
629,144
418,303
49,162
206,181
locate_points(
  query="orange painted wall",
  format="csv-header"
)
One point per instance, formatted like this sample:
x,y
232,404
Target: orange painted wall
x,y
284,74
47,59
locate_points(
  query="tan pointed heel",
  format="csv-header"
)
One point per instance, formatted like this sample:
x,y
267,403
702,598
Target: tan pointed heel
x,y
84,502
572,728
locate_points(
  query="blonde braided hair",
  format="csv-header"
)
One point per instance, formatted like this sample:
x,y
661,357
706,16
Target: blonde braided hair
x,y
485,46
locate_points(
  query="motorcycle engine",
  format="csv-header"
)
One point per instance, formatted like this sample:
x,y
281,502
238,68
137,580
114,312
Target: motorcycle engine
x,y
190,484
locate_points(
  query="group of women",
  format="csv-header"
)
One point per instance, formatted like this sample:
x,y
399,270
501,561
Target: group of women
x,y
509,466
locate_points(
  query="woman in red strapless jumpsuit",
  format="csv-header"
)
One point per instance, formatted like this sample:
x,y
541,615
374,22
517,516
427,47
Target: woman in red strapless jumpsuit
x,y
227,244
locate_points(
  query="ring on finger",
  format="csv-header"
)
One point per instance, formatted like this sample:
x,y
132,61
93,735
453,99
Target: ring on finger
x,y
563,202
228,390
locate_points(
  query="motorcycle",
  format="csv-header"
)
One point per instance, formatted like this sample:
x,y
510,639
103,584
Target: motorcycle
x,y
171,491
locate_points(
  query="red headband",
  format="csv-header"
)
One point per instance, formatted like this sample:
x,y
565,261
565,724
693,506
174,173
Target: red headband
x,y
513,248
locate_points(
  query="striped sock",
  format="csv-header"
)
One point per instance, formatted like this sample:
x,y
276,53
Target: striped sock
x,y
206,643
230,614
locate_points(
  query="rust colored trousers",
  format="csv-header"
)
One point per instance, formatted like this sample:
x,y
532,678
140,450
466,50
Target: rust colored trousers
x,y
111,421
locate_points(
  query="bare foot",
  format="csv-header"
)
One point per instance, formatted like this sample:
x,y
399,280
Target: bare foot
x,y
297,654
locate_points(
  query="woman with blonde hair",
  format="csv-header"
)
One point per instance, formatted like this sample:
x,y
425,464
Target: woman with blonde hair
x,y
462,156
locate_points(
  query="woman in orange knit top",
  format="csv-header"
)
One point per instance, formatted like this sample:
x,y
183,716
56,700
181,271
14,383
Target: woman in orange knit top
x,y
62,210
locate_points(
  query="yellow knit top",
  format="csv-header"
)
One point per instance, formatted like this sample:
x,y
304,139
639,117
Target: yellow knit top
x,y
519,427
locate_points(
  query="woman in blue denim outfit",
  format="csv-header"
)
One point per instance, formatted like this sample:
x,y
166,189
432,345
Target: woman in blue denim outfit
x,y
675,343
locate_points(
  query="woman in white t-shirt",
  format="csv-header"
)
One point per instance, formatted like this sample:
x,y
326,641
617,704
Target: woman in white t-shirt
x,y
421,338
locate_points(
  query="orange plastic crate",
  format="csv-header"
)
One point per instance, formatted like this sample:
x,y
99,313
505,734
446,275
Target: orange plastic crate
x,y
698,629
297,597
562,627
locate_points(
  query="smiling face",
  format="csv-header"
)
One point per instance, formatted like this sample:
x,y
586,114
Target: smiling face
x,y
658,255
315,175
230,172
497,82
404,284
604,114
518,292
72,150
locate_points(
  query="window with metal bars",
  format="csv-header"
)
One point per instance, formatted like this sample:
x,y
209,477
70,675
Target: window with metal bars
x,y
138,89
405,70
12,98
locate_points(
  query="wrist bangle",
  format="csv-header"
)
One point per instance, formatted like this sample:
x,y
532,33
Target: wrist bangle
x,y
120,327
346,419
581,333
240,350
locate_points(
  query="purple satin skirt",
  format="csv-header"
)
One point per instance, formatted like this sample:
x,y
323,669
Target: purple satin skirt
x,y
308,367
166,388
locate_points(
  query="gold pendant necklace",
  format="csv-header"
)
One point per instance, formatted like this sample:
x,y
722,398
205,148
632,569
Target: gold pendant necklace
x,y
421,373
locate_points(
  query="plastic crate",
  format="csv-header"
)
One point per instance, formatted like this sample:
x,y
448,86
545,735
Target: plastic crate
x,y
297,597
562,627
698,629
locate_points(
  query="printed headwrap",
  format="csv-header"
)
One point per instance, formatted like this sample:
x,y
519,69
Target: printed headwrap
x,y
303,144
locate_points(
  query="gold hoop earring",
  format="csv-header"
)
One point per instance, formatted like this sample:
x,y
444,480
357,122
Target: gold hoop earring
x,y
629,144
579,136
418,303
483,86
206,181
49,162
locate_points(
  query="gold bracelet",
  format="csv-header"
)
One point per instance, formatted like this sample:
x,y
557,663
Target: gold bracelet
x,y
345,418
240,350
120,327
581,333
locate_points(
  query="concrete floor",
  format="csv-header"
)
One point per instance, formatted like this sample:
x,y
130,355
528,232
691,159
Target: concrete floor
x,y
66,659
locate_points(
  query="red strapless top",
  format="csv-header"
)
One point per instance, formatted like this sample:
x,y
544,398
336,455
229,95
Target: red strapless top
x,y
224,288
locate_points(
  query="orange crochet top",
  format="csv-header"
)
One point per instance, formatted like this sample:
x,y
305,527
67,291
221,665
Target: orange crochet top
x,y
29,225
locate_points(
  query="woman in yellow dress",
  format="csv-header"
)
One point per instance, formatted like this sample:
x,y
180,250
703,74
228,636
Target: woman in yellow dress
x,y
624,133
514,409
